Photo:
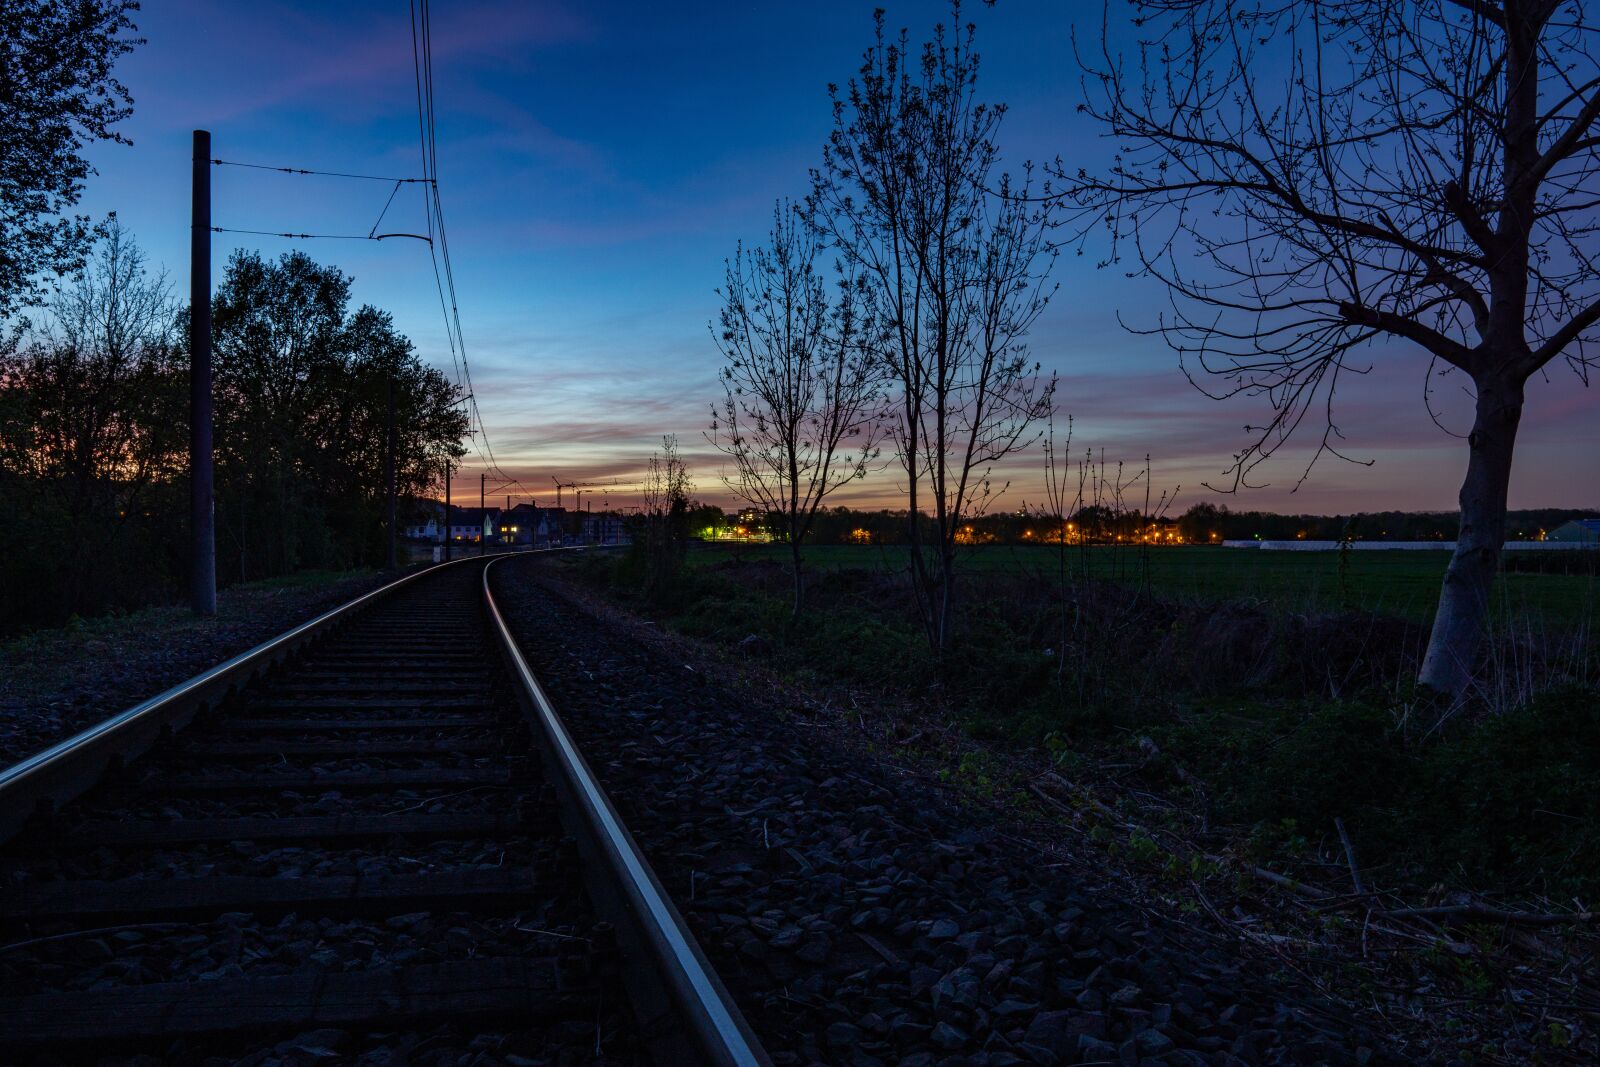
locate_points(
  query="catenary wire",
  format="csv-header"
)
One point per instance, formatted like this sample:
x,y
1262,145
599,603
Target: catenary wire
x,y
438,242
298,236
318,173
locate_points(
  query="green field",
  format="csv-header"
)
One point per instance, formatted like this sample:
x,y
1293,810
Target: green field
x,y
1398,582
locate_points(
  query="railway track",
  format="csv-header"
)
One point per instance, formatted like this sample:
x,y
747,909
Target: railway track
x,y
369,839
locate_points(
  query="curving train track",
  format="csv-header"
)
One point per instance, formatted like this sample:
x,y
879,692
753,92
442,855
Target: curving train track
x,y
370,839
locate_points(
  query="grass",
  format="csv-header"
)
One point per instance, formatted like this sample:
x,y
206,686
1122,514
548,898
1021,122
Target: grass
x,y
1399,583
1224,721
1280,681
58,680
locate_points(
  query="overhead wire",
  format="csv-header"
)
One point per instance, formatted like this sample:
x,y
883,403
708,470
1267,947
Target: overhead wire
x,y
319,173
300,236
435,236
385,210
439,249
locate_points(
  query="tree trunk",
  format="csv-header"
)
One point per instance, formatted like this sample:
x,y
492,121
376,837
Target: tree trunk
x,y
1459,626
946,602
799,586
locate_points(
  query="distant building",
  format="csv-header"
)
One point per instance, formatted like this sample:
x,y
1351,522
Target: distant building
x,y
747,524
522,525
603,528
1581,531
466,524
555,527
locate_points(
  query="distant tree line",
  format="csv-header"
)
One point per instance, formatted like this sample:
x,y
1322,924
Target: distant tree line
x,y
94,385
94,432
1202,520
1203,523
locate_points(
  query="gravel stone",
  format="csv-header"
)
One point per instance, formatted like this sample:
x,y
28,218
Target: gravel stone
x,y
926,932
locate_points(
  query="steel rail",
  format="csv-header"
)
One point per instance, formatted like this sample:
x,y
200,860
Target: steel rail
x,y
69,768
651,925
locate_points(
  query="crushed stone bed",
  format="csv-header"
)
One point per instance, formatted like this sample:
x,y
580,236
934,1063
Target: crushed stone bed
x,y
862,917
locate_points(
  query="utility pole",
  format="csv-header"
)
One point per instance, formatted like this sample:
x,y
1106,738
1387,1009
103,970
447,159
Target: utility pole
x,y
388,473
202,512
447,510
483,513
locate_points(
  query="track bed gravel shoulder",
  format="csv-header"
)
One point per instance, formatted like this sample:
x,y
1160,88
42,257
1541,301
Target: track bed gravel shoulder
x,y
861,914
56,682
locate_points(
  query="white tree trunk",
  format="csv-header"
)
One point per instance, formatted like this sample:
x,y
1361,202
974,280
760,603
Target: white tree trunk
x,y
1459,626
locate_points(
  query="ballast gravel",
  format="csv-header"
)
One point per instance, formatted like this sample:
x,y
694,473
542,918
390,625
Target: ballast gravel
x,y
862,917
54,683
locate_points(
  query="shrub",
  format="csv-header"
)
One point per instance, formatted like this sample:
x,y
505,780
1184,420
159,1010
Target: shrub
x,y
1517,796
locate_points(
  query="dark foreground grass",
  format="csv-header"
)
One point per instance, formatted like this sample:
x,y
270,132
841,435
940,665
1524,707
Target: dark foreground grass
x,y
1274,721
1394,582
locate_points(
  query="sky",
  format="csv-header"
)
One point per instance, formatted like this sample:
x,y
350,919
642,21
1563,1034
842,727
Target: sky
x,y
598,161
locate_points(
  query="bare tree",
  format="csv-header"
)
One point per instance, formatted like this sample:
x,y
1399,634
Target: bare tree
x,y
664,517
1309,177
957,260
800,384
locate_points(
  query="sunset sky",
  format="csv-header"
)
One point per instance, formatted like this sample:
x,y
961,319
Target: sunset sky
x,y
597,161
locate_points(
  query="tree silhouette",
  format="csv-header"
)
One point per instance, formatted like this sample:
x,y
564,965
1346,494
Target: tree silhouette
x,y
800,385
1312,178
956,260
58,96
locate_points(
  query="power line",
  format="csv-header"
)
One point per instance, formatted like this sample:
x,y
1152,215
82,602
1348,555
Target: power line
x,y
300,236
325,236
319,173
422,62
435,235
385,210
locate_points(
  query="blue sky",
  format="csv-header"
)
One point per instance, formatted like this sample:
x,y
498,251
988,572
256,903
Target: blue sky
x,y
597,162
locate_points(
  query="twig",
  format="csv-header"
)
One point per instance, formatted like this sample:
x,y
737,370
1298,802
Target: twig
x,y
87,933
1350,857
1488,914
433,800
548,933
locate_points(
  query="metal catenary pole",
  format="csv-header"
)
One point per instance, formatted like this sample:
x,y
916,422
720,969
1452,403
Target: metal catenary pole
x,y
447,511
388,476
202,511
483,514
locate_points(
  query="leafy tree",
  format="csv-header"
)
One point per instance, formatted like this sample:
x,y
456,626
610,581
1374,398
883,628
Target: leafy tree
x,y
93,403
58,95
1203,522
1311,178
800,385
301,420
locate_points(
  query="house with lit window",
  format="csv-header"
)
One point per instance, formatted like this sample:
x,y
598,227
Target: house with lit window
x,y
468,525
520,525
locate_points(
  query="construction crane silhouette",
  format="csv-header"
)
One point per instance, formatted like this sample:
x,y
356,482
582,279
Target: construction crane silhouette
x,y
579,488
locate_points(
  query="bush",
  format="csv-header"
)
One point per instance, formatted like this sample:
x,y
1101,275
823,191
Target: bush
x,y
1517,796
1228,693
1508,801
